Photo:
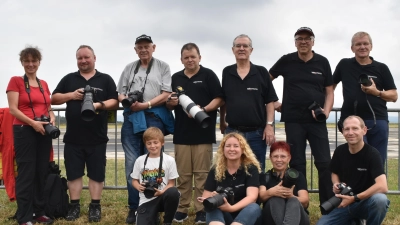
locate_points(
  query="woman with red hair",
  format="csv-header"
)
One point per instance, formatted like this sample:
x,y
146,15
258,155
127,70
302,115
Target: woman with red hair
x,y
283,204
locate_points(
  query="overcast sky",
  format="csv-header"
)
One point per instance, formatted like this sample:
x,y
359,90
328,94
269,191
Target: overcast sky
x,y
110,27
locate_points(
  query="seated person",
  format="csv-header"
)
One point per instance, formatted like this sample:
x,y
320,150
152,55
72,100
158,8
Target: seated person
x,y
154,177
236,168
359,166
283,205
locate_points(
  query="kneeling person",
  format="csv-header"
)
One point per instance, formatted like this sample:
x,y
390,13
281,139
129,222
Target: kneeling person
x,y
282,203
154,177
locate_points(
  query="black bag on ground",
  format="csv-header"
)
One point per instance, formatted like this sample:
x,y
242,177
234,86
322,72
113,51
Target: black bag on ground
x,y
55,193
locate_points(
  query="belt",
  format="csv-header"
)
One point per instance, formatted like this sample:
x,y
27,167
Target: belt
x,y
245,128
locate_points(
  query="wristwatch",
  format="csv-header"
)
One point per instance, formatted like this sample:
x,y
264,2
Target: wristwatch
x,y
356,198
149,103
270,123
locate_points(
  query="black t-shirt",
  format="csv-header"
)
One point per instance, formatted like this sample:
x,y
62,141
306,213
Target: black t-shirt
x,y
239,181
357,170
245,99
271,179
202,88
304,83
86,132
348,71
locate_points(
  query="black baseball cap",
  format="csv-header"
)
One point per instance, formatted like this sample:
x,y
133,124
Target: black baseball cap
x,y
143,37
304,29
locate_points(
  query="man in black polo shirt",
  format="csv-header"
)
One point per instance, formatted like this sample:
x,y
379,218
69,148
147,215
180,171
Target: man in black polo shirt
x,y
193,144
249,100
307,79
85,141
370,105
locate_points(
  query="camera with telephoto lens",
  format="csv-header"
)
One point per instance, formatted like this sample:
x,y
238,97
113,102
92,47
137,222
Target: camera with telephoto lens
x,y
201,117
50,130
290,177
334,202
88,112
149,191
364,79
216,201
319,115
135,96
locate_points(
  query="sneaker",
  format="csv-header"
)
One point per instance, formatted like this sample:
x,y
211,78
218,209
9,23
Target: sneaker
x,y
200,217
43,219
94,212
27,223
74,211
180,217
131,219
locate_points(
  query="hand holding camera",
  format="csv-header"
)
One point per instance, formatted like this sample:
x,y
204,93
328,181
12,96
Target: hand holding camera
x,y
317,112
368,85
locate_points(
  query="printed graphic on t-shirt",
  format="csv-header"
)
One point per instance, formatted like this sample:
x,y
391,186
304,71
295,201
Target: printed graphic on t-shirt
x,y
151,175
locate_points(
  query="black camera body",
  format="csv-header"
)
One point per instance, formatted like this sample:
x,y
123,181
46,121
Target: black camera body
x,y
290,177
50,130
216,201
87,110
334,202
149,191
135,96
319,115
364,79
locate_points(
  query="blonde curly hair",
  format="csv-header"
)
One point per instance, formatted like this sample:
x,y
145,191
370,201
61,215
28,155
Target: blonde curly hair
x,y
247,159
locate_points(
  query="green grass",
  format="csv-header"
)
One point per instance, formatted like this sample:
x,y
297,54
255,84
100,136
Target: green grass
x,y
115,210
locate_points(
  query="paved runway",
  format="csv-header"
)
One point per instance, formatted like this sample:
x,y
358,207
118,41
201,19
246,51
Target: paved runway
x,y
114,147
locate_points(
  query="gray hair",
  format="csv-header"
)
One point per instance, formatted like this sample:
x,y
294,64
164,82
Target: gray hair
x,y
360,34
243,36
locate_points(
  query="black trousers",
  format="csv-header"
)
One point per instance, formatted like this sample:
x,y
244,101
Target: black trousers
x,y
32,153
168,202
284,211
317,135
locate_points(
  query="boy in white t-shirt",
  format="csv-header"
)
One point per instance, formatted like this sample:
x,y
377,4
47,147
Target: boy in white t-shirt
x,y
154,177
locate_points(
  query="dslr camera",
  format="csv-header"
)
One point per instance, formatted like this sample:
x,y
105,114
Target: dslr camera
x,y
334,202
290,177
364,79
87,111
201,117
135,96
319,115
216,201
149,191
50,130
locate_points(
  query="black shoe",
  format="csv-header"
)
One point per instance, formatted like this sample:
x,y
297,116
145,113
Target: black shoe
x,y
74,211
94,212
200,217
180,217
131,219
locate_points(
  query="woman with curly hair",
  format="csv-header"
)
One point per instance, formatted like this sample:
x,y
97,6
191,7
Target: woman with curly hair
x,y
235,173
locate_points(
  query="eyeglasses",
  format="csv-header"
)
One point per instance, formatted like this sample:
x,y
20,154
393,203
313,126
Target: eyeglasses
x,y
141,47
242,45
300,39
279,156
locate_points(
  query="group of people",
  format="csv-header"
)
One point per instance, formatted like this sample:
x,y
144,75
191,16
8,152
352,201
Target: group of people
x,y
247,101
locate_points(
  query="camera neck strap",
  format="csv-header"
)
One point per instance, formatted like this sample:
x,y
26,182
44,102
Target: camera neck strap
x,y
159,179
28,91
136,71
370,107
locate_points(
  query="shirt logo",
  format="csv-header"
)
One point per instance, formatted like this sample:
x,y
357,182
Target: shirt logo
x,y
198,81
319,73
361,169
252,89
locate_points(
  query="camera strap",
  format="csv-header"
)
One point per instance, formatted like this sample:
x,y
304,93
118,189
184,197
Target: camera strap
x,y
159,179
136,71
370,107
28,91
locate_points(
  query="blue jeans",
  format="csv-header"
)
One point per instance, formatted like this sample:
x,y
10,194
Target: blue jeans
x,y
372,209
134,147
256,143
247,216
378,136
